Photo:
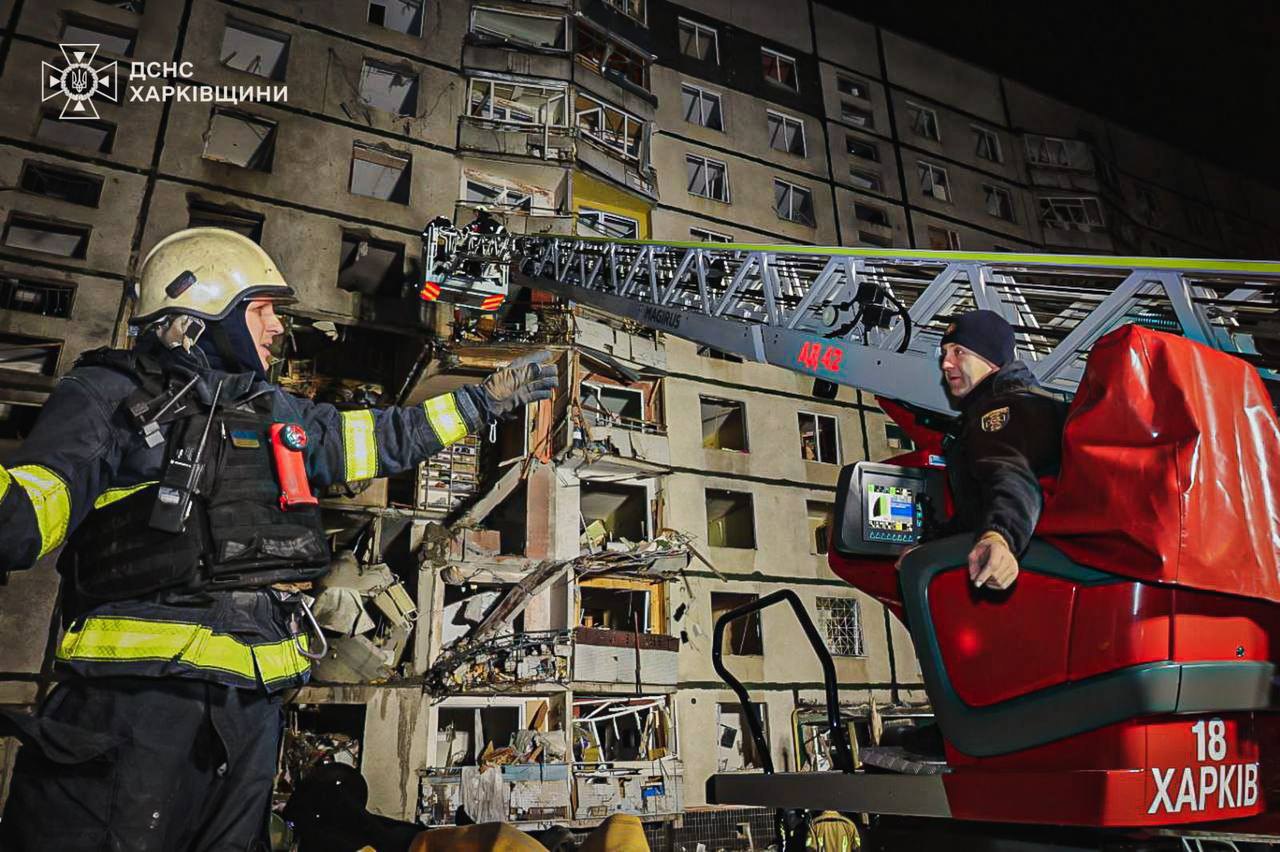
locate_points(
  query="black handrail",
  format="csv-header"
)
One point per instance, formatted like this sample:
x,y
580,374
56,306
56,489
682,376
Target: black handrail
x,y
842,755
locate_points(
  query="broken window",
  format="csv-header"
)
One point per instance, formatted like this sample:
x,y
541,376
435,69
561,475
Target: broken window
x,y
611,405
792,203
390,89
606,224
616,728
924,121
62,184
240,139
779,69
135,6
862,150
377,173
863,179
89,134
609,126
857,115
403,16
819,515
608,58
516,103
467,605
110,38
943,239
630,8
1071,213
702,235
872,215
519,28
16,420
874,240
201,214
315,734
986,144
850,86
33,234
707,178
38,355
724,424
43,298
819,439
613,512
257,50
371,267
840,622
786,133
742,636
615,608
934,181
719,354
699,41
479,192
999,202
894,435
465,731
730,519
1048,151
735,747
701,107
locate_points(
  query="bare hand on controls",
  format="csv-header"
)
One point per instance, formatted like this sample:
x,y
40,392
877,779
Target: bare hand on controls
x,y
992,563
527,379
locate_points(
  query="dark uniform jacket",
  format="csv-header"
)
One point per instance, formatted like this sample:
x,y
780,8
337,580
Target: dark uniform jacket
x,y
84,453
1009,434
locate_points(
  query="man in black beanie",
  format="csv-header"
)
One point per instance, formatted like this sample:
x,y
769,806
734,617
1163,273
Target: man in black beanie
x,y
1008,434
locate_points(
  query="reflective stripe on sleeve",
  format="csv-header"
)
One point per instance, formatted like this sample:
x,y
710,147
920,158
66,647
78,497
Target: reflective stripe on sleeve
x,y
51,500
111,495
5,479
360,445
123,640
445,418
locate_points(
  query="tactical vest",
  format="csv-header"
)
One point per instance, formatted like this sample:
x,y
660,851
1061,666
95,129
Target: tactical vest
x,y
237,535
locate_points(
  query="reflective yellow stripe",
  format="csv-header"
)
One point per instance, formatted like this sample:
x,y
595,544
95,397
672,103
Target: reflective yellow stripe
x,y
360,445
111,495
445,418
107,639
5,479
51,500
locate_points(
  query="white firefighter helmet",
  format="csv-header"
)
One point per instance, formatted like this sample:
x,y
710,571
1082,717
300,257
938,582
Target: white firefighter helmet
x,y
205,272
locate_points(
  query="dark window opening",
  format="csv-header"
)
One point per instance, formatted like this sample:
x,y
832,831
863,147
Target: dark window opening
x,y
201,214
240,139
539,31
255,50
371,267
864,150
316,734
110,38
819,440
88,134
719,354
724,424
403,16
730,519
612,512
463,733
735,747
743,636
613,728
819,515
872,215
37,355
376,173
135,6
615,609
62,184
874,240
894,435
43,298
609,59
17,421
467,605
390,89
32,234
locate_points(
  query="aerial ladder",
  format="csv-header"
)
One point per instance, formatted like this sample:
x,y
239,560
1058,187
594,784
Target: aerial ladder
x,y
1135,708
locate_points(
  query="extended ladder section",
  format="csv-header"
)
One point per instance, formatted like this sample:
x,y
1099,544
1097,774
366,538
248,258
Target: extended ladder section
x,y
873,319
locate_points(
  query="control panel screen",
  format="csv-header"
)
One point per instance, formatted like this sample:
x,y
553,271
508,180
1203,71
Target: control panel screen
x,y
890,513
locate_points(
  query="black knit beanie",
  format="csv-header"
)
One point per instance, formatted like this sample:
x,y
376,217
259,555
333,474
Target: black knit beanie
x,y
983,332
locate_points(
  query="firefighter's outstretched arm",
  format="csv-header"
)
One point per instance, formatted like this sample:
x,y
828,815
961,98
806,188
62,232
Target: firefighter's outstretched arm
x,y
51,482
347,446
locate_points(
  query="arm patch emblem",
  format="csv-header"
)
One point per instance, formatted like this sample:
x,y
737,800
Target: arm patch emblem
x,y
995,419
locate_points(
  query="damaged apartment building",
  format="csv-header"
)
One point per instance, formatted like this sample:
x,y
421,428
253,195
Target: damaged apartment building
x,y
521,627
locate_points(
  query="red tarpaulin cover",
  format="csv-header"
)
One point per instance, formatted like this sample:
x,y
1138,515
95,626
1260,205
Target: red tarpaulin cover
x,y
1170,468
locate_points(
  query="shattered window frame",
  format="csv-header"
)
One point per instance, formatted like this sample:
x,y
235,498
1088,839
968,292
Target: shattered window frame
x,y
821,511
605,128
793,203
872,215
368,257
751,761
778,67
852,87
477,704
858,116
703,235
942,239
1048,151
650,612
25,353
895,437
862,149
709,107
874,240
998,202
203,214
744,637
740,502
935,183
1065,213
822,452
987,144
414,28
866,179
612,60
924,121
253,33
380,158
491,107
610,708
373,71
608,417
628,491
784,133
49,180
261,158
486,20
604,223
840,622
477,191
711,436
26,232
693,37
54,299
698,170
634,9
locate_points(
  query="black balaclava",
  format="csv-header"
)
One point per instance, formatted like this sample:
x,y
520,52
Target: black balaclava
x,y
229,347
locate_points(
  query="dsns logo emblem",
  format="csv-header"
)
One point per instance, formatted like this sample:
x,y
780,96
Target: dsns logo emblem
x,y
79,82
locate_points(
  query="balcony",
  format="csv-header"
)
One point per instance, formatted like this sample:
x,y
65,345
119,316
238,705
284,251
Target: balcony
x,y
603,656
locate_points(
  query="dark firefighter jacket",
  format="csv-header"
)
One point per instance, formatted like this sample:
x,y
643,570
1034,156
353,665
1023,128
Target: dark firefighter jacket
x,y
85,453
1009,434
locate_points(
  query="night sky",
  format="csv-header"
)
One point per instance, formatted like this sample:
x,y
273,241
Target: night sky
x,y
1204,77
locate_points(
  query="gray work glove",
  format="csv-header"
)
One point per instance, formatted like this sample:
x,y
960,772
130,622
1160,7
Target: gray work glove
x,y
527,379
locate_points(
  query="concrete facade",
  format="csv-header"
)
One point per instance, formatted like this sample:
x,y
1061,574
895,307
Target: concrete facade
x,y
649,464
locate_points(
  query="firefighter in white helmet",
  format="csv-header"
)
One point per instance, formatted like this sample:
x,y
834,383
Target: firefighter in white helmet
x,y
180,481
